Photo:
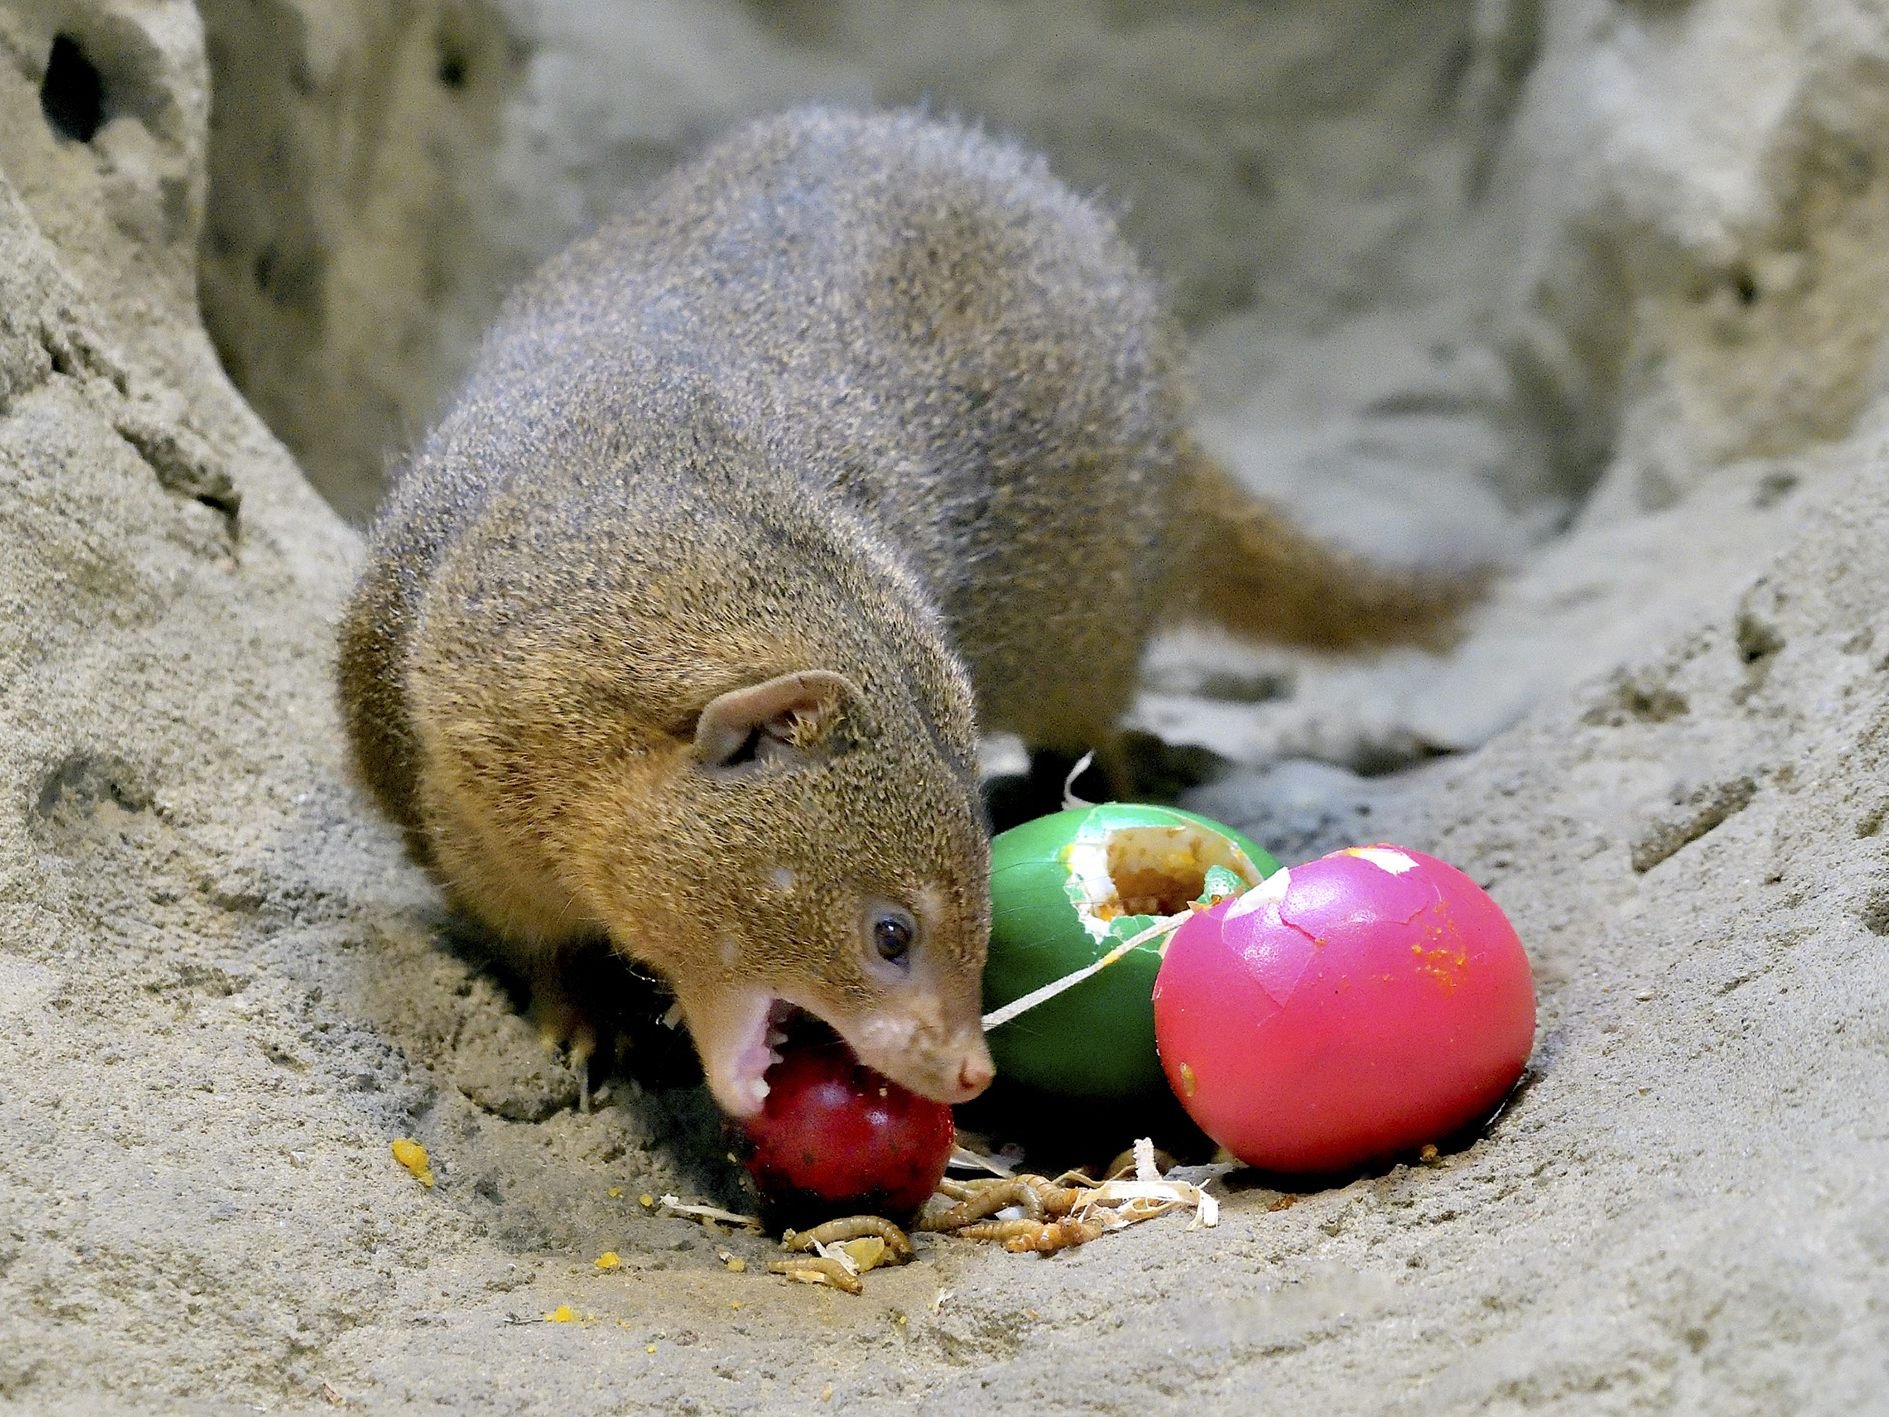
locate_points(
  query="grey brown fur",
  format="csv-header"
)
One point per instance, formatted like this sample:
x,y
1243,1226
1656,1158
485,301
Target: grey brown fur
x,y
873,396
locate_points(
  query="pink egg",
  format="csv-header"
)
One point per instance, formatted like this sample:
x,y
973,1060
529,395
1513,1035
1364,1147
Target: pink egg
x,y
1345,1011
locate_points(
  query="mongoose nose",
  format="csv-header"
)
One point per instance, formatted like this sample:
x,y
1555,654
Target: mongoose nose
x,y
975,1073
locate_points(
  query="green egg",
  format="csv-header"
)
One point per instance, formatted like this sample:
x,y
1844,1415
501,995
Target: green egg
x,y
1066,889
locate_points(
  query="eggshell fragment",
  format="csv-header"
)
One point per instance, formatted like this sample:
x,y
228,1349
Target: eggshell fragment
x,y
1345,1011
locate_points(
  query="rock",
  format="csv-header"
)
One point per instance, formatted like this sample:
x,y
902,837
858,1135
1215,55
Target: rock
x,y
351,254
1692,194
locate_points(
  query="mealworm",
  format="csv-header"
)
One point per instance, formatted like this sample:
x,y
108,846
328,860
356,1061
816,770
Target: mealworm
x,y
989,1198
851,1227
816,1269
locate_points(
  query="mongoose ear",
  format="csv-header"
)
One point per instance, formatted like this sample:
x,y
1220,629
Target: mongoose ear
x,y
792,717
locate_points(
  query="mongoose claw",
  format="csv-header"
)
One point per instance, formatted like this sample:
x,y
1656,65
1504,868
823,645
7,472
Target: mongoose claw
x,y
564,1026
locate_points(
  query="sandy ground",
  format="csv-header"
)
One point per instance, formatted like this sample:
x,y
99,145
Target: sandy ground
x,y
1664,747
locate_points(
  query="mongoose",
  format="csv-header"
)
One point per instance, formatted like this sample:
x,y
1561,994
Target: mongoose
x,y
860,434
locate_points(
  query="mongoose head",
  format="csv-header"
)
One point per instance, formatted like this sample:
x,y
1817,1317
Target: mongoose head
x,y
825,851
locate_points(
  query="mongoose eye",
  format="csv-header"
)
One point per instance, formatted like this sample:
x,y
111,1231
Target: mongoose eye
x,y
892,935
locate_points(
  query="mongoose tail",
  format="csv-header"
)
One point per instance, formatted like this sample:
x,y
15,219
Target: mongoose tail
x,y
1257,571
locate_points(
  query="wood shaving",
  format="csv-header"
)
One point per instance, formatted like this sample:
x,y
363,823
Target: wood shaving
x,y
1070,800
964,1158
838,1255
675,1206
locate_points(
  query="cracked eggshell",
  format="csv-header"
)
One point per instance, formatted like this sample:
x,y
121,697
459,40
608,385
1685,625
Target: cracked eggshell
x,y
1067,888
1346,1011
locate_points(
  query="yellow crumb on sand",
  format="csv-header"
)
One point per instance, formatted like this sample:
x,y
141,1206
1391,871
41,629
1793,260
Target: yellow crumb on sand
x,y
560,1315
615,1193
412,1155
609,1259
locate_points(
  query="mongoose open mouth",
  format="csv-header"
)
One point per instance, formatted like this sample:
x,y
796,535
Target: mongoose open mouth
x,y
758,1049
767,1025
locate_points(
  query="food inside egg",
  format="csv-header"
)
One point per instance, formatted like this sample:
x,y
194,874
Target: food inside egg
x,y
1348,1010
1067,888
836,1138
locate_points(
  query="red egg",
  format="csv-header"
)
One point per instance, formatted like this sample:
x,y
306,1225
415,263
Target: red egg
x,y
836,1138
1345,1011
